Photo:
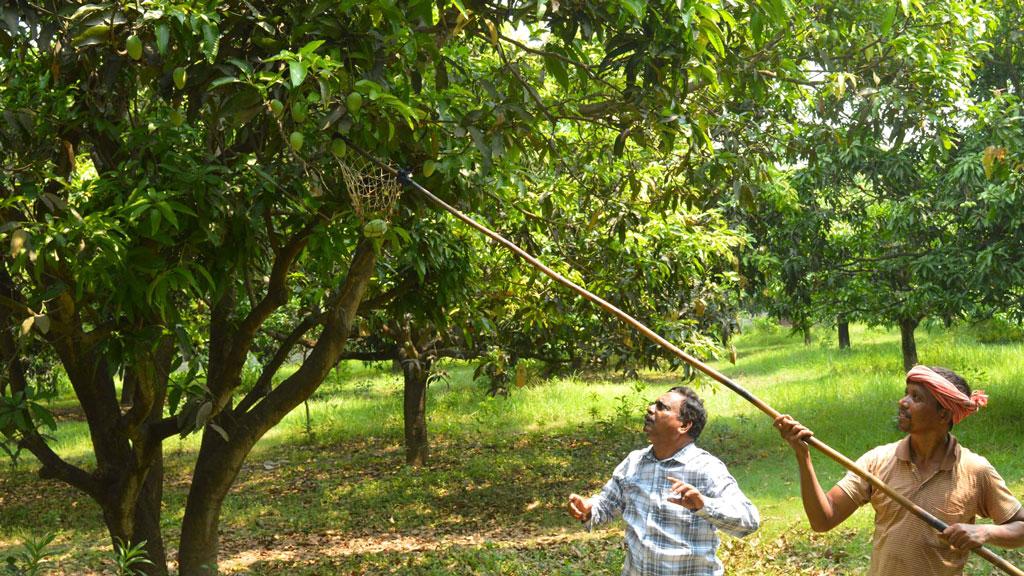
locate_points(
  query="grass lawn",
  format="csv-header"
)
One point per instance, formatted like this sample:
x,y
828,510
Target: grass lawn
x,y
335,497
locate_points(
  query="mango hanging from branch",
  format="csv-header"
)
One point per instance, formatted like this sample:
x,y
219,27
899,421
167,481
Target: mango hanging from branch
x,y
276,107
354,101
375,228
297,139
179,77
133,46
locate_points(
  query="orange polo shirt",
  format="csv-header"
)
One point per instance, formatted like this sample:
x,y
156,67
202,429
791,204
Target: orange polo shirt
x,y
964,487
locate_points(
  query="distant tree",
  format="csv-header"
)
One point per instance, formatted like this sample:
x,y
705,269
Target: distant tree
x,y
866,235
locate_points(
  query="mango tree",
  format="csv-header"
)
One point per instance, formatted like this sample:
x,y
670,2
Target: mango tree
x,y
885,103
171,188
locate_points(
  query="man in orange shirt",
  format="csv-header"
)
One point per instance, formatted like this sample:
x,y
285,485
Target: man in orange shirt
x,y
930,468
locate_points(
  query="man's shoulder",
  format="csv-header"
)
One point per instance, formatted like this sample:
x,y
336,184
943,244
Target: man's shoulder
x,y
883,452
636,455
971,460
880,457
704,458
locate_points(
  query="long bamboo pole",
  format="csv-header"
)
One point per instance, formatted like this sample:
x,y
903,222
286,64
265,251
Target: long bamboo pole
x,y
934,522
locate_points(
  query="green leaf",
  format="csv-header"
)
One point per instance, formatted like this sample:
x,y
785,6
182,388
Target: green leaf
x,y
369,87
461,7
887,20
757,28
42,415
163,37
167,213
85,10
154,222
173,398
707,12
776,9
20,421
92,35
297,71
211,41
311,47
714,36
222,81
556,67
241,65
635,7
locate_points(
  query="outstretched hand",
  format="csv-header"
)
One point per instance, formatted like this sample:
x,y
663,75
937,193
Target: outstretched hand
x,y
686,495
579,507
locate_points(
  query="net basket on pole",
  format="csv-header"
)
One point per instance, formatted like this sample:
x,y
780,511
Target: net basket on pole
x,y
374,190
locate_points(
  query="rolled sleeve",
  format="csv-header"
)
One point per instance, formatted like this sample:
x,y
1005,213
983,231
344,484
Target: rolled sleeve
x,y
997,502
731,512
607,504
854,485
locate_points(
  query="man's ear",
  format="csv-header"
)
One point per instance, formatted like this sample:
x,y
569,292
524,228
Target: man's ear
x,y
684,428
946,414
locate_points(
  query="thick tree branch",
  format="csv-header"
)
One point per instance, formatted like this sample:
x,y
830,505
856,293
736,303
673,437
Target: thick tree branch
x,y
57,468
338,322
152,372
284,350
224,378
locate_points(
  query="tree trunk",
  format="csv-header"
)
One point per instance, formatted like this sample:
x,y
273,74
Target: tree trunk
x,y
147,519
844,334
907,342
220,459
133,515
215,472
415,409
128,386
807,335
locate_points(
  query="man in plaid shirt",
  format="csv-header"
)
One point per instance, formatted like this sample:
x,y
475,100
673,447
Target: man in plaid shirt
x,y
672,495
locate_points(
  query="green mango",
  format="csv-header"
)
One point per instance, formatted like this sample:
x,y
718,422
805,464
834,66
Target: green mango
x,y
354,101
179,75
297,139
133,45
277,107
375,228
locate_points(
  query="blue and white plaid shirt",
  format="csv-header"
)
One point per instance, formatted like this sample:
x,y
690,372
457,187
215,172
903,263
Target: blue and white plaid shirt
x,y
663,538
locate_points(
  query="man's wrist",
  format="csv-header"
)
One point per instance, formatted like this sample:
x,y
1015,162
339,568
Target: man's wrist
x,y
705,511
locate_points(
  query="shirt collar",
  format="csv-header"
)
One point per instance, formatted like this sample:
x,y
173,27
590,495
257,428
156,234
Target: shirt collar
x,y
948,460
680,456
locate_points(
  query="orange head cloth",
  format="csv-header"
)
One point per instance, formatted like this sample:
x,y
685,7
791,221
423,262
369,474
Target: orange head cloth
x,y
948,395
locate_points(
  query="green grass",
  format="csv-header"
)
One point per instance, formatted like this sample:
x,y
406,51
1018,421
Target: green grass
x,y
336,498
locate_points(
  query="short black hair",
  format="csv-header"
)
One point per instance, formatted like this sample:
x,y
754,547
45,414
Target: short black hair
x,y
954,379
691,410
